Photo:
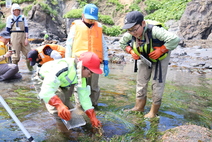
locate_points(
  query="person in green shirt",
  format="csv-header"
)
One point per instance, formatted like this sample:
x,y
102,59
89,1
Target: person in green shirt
x,y
151,45
64,74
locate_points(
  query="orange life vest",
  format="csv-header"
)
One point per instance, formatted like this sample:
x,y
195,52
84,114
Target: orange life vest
x,y
45,58
87,39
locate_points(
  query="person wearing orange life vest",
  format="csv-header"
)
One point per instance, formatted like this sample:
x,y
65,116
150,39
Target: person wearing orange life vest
x,y
7,71
154,43
17,25
45,53
86,35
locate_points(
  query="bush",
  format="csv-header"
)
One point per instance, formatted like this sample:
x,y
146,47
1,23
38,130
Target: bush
x,y
74,13
112,31
106,19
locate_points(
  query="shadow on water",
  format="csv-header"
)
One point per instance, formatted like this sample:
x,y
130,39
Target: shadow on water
x,y
186,100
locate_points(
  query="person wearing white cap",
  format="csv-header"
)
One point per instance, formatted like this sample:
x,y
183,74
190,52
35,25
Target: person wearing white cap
x,y
86,35
17,25
7,71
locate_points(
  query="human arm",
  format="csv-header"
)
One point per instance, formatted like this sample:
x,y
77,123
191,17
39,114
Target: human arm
x,y
105,59
50,85
171,41
125,45
6,55
69,42
8,24
85,101
52,53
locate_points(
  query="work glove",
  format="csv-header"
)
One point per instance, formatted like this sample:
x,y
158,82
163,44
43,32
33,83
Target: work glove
x,y
106,69
63,111
92,115
158,52
129,50
55,55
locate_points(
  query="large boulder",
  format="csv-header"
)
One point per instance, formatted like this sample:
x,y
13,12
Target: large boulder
x,y
40,20
196,22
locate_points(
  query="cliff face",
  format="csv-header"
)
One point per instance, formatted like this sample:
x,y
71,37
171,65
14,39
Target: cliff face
x,y
196,22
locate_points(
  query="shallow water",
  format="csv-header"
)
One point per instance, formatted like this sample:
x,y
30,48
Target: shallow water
x,y
114,99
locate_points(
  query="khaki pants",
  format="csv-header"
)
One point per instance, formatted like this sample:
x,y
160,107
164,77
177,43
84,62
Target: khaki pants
x,y
143,77
95,89
17,40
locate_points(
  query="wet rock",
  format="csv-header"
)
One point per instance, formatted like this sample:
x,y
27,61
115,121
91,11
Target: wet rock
x,y
191,133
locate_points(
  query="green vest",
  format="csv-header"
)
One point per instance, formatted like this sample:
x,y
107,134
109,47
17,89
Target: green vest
x,y
145,49
67,75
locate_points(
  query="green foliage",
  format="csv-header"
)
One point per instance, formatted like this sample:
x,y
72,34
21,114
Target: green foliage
x,y
112,31
82,3
48,9
106,19
54,2
21,1
119,6
27,9
2,25
135,6
165,10
74,13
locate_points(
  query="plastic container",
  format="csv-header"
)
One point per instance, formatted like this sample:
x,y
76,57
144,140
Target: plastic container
x,y
77,120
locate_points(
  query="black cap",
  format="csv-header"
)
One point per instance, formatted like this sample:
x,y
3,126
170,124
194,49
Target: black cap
x,y
5,34
132,18
32,56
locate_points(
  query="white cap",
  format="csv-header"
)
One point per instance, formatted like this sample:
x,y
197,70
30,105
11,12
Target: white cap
x,y
16,6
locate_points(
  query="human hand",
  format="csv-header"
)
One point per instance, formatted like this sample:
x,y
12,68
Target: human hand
x,y
92,115
26,42
8,54
158,52
63,111
134,55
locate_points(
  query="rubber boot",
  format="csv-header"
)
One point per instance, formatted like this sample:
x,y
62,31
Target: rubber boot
x,y
30,68
139,105
153,111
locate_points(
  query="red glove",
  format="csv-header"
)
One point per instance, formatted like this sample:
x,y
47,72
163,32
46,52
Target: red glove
x,y
130,51
158,52
92,115
63,111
